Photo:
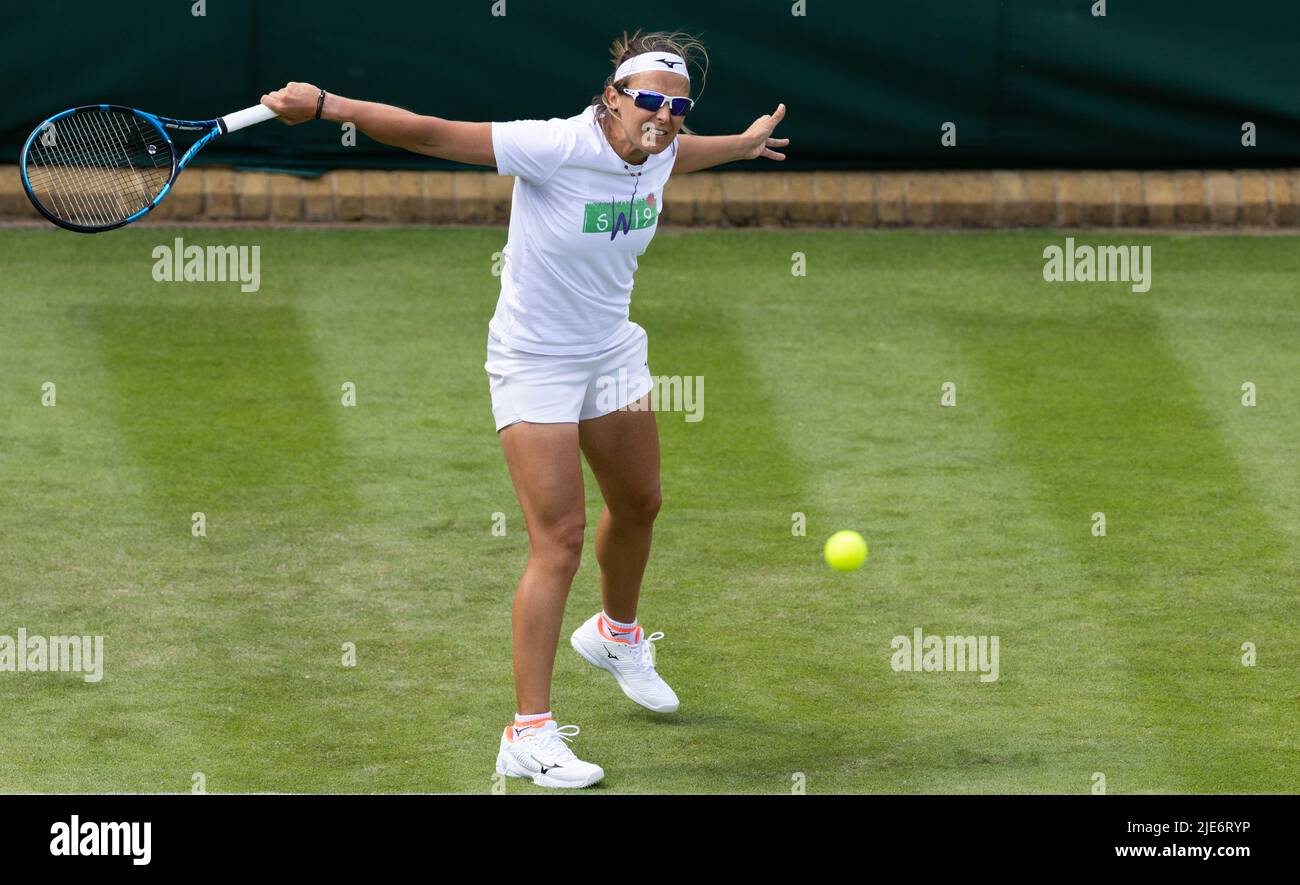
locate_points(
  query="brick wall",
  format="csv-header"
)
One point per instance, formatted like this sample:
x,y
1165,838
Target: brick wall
x,y
1268,198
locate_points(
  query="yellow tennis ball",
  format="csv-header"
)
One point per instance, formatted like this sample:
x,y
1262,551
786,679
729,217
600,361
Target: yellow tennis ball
x,y
845,551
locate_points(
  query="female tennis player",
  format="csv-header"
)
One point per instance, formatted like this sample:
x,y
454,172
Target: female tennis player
x,y
587,196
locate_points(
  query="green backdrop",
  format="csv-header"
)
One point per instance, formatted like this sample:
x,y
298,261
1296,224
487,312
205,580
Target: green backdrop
x,y
1154,83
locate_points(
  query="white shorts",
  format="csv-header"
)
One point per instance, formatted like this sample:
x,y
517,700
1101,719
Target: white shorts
x,y
556,389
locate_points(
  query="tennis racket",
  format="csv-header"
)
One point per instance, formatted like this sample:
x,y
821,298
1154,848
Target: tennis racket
x,y
101,166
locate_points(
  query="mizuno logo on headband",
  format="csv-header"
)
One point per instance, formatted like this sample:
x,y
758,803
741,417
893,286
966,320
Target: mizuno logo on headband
x,y
650,61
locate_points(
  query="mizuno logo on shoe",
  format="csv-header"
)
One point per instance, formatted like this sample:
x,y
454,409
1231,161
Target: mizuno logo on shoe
x,y
543,766
611,654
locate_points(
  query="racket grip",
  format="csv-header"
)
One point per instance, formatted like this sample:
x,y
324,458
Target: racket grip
x,y
258,113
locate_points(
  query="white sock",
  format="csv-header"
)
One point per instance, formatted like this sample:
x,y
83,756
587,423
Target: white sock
x,y
521,718
619,625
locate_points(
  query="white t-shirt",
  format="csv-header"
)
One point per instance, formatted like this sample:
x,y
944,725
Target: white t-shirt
x,y
580,216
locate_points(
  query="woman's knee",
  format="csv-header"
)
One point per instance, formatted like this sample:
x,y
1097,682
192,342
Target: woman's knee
x,y
642,506
559,544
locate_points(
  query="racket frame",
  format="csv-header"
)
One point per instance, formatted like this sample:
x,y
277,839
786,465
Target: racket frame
x,y
210,128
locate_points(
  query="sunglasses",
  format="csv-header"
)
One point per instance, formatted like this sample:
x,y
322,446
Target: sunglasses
x,y
649,100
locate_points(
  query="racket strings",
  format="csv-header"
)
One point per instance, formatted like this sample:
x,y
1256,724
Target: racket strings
x,y
126,194
97,168
73,171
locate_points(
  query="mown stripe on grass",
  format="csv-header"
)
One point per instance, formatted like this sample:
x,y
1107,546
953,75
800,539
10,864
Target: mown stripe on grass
x,y
222,407
1106,420
77,559
856,353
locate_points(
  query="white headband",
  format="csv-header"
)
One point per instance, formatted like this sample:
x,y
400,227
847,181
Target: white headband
x,y
652,61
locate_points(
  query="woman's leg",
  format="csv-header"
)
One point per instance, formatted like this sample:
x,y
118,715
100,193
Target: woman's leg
x,y
623,451
547,473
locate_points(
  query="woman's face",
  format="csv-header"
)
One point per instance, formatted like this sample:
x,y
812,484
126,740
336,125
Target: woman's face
x,y
652,132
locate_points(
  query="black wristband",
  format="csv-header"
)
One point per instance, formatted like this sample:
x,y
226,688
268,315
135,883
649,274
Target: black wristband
x,y
320,103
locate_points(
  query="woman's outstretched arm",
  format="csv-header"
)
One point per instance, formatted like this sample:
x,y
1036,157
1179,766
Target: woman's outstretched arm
x,y
449,139
696,152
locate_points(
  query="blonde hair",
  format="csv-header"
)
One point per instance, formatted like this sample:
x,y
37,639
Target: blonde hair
x,y
678,42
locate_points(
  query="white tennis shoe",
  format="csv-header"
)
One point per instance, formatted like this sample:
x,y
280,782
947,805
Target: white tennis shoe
x,y
629,657
541,753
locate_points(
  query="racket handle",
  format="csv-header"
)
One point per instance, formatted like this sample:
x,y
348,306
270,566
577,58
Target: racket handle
x,y
258,113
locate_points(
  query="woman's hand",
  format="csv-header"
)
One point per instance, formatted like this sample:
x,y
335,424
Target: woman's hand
x,y
295,103
757,140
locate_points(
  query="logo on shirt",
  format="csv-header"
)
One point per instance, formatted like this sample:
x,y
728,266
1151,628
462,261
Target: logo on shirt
x,y
614,216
